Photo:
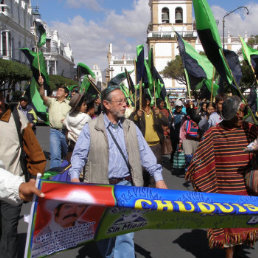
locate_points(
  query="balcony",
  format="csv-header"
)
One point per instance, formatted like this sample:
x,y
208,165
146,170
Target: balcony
x,y
171,34
50,50
4,9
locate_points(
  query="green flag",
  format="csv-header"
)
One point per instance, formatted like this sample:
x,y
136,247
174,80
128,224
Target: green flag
x,y
149,75
41,33
119,78
89,87
160,89
125,90
83,69
196,65
38,66
198,68
71,87
34,98
251,56
85,84
209,36
140,66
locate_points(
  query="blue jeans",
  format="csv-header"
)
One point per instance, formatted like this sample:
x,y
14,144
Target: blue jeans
x,y
118,247
58,147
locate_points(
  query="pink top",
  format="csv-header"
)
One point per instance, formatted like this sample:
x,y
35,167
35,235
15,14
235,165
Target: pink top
x,y
182,134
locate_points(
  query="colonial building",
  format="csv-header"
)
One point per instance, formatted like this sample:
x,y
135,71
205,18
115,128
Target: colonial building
x,y
118,65
58,56
15,29
168,16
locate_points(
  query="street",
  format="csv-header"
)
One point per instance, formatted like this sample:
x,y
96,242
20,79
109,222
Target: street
x,y
148,243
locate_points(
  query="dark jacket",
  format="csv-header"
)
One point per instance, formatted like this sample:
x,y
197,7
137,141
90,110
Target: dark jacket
x,y
159,120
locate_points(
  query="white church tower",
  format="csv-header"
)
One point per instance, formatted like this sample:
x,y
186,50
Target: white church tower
x,y
168,16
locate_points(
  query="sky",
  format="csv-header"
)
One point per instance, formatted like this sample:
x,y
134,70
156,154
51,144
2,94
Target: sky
x,y
90,25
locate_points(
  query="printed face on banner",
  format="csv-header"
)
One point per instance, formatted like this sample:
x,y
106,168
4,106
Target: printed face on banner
x,y
67,216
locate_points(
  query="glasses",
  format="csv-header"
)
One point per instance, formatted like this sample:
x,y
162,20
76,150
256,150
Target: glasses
x,y
119,102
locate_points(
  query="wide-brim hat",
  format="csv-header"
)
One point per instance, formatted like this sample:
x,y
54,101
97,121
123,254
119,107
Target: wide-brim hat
x,y
75,101
76,196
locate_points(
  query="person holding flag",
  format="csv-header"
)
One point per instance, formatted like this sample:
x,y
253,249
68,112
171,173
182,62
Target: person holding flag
x,y
150,121
58,109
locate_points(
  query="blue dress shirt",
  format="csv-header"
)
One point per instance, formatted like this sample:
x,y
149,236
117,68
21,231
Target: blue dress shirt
x,y
117,167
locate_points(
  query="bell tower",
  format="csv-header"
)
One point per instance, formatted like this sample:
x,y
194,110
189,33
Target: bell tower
x,y
168,16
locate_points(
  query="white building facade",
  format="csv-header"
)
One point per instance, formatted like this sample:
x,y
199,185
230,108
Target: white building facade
x,y
15,29
118,65
58,56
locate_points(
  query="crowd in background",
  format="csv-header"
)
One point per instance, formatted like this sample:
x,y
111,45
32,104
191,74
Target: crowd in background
x,y
188,131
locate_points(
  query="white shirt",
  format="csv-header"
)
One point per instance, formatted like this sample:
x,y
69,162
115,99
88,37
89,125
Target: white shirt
x,y
75,123
9,186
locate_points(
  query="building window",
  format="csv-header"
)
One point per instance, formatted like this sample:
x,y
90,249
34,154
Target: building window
x,y
48,45
51,67
165,15
19,46
179,15
6,43
2,2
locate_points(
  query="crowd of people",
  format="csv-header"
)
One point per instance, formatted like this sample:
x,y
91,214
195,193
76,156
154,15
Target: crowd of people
x,y
108,142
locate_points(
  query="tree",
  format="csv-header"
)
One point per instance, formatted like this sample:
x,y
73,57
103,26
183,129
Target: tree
x,y
175,70
248,78
252,41
57,80
12,72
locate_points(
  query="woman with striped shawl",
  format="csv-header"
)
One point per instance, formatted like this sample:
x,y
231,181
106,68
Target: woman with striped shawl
x,y
218,166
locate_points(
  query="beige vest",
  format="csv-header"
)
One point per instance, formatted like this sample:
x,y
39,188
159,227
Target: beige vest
x,y
10,149
97,165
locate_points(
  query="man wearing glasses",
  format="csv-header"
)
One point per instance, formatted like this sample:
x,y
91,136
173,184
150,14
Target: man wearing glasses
x,y
114,151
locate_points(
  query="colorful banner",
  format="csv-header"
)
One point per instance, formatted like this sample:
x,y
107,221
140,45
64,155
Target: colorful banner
x,y
73,214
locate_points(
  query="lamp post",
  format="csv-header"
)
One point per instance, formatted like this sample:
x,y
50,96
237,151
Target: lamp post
x,y
223,21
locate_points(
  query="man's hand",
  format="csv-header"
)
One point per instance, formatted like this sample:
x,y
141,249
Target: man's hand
x,y
139,113
75,180
41,80
161,184
26,191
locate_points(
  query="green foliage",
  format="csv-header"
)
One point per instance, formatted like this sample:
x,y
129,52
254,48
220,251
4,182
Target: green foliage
x,y
252,41
57,80
175,70
12,72
248,78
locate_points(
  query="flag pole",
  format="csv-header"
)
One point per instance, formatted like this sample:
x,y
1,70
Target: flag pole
x,y
188,84
135,92
154,93
212,82
37,49
130,86
140,95
93,84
